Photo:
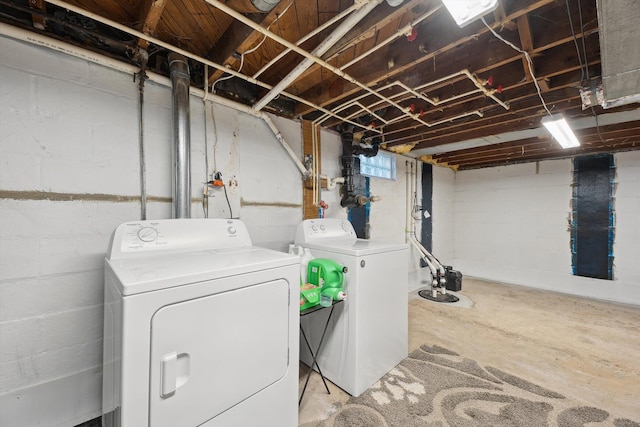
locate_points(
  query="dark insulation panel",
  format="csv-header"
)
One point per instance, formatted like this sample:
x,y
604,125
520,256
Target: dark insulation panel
x,y
426,237
592,219
359,217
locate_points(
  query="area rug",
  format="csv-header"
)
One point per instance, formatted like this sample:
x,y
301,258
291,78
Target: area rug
x,y
435,387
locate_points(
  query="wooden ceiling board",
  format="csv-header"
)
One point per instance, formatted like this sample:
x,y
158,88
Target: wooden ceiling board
x,y
441,48
508,78
120,11
491,124
331,7
210,22
442,35
192,25
589,138
553,154
240,38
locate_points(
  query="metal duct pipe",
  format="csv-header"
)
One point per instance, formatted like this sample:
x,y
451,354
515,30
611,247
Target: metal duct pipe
x,y
181,143
253,6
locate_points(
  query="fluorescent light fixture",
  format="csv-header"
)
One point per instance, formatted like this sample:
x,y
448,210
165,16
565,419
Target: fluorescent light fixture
x,y
465,11
561,131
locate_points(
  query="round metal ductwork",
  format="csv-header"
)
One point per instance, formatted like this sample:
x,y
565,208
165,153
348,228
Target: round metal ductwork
x,y
181,144
252,6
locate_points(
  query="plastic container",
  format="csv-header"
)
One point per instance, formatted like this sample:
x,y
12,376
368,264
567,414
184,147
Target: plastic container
x,y
329,276
305,258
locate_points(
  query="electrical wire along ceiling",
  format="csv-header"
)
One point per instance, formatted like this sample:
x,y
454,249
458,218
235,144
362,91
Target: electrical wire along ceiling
x,y
463,94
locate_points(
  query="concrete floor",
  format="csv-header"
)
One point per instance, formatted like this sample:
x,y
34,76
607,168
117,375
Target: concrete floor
x,y
585,349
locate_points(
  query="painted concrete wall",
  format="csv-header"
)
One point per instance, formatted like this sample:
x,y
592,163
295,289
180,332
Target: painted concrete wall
x,y
70,173
442,216
69,130
511,225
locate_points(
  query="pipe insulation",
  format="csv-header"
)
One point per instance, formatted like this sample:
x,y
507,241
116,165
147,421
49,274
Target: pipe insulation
x,y
181,137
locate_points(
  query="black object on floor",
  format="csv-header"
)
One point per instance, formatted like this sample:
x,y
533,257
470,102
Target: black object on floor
x,y
453,279
427,294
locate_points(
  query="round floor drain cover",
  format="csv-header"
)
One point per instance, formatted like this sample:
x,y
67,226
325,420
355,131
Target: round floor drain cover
x,y
427,294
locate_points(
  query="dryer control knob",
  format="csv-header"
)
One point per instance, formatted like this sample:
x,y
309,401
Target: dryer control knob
x,y
232,230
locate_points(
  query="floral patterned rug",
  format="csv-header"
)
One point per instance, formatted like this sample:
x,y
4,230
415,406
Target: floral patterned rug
x,y
435,387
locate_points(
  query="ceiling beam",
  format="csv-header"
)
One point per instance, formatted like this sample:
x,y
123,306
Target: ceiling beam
x,y
586,121
367,28
555,154
588,138
150,13
239,37
38,21
435,39
500,17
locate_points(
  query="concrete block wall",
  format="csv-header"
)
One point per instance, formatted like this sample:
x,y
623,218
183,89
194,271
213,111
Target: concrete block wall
x,y
69,174
512,225
442,216
626,246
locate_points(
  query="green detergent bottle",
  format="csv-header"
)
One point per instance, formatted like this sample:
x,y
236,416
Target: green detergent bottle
x,y
329,275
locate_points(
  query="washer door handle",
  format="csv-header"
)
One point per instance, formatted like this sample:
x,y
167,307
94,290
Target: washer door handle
x,y
168,374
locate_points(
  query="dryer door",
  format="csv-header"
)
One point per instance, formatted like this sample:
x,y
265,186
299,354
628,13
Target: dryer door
x,y
211,353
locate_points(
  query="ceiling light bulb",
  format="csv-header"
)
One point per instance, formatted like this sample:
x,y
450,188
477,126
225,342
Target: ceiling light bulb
x,y
465,11
559,128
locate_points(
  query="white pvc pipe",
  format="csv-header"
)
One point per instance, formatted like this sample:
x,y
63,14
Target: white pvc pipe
x,y
402,31
331,183
487,92
236,15
187,54
407,219
307,37
332,39
434,271
426,254
305,173
407,90
69,49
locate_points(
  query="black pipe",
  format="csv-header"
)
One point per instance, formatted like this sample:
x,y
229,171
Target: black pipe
x,y
351,167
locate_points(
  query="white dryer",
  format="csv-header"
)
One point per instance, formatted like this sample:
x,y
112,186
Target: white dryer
x,y
201,328
368,334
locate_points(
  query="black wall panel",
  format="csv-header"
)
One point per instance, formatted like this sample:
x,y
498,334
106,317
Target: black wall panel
x,y
592,225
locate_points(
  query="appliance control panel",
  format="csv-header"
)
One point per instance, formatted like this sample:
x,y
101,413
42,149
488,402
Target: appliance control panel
x,y
313,230
146,237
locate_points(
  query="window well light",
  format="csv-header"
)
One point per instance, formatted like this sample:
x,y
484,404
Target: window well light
x,y
561,131
465,11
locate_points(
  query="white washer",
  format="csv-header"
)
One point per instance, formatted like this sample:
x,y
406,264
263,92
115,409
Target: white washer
x,y
201,328
368,333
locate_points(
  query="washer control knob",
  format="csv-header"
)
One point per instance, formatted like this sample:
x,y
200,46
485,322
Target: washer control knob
x,y
314,227
147,234
322,227
232,230
345,226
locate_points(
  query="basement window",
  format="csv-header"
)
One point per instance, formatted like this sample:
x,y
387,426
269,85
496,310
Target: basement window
x,y
383,165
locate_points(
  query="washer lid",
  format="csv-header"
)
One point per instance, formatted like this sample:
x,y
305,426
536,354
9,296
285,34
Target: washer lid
x,y
358,247
160,271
